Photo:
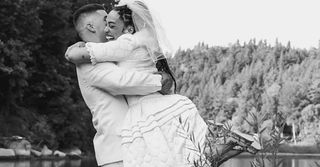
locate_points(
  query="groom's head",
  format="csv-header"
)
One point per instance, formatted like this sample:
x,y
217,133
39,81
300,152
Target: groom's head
x,y
89,22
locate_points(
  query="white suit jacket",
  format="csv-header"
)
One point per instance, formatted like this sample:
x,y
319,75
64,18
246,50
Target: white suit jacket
x,y
102,87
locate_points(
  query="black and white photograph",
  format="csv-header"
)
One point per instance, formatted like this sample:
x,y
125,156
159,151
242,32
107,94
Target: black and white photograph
x,y
159,83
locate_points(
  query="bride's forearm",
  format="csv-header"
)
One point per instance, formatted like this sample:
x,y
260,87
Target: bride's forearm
x,y
78,55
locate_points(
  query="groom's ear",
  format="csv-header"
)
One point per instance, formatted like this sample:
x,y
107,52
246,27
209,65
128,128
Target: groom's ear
x,y
90,27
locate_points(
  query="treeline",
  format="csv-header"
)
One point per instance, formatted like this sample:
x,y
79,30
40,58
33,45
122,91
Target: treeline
x,y
39,94
254,80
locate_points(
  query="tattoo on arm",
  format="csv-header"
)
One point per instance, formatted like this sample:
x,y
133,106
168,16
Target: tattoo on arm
x,y
82,45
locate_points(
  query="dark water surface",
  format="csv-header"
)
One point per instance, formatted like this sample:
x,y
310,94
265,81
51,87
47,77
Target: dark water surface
x,y
236,162
287,161
49,163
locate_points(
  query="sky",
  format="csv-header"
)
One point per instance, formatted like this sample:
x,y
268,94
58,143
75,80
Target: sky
x,y
223,22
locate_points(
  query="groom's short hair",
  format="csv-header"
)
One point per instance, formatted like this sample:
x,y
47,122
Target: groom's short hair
x,y
86,9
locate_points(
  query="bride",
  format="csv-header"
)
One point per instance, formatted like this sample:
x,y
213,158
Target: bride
x,y
159,130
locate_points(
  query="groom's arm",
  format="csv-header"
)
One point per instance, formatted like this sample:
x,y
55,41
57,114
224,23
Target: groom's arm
x,y
117,81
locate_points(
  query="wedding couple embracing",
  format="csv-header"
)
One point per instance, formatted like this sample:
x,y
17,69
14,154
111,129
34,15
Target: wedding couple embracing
x,y
123,76
126,82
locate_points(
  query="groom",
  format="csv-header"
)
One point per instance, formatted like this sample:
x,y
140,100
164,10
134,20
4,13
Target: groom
x,y
103,86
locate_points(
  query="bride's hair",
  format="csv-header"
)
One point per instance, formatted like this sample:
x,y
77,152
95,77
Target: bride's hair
x,y
125,15
161,64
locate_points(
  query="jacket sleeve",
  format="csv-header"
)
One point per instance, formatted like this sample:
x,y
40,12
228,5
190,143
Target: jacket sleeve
x,y
119,81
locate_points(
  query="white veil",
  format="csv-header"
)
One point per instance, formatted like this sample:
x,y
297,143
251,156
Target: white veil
x,y
144,18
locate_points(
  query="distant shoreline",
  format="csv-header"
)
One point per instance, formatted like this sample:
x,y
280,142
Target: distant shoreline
x,y
291,150
44,158
282,155
285,150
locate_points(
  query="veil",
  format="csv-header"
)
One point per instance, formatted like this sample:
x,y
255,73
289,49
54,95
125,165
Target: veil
x,y
144,19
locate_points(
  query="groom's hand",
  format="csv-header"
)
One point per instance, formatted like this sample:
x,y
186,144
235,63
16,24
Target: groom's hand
x,y
166,83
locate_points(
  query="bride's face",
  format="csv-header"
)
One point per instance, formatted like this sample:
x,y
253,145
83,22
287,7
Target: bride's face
x,y
115,25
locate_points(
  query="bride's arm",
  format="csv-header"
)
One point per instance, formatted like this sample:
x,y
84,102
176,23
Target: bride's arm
x,y
113,51
77,53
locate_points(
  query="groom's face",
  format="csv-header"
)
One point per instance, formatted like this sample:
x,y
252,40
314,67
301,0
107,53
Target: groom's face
x,y
100,24
115,25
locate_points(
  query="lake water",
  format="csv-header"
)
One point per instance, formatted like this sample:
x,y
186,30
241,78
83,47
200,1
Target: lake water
x,y
287,162
236,162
